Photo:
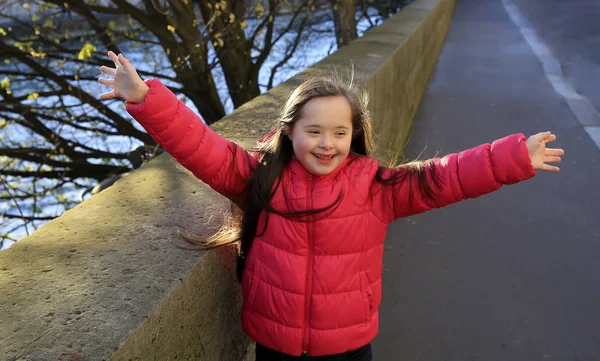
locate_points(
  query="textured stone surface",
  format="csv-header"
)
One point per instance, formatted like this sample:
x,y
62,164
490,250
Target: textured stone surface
x,y
83,282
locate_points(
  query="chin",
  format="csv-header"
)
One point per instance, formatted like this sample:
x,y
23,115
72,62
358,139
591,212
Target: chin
x,y
322,171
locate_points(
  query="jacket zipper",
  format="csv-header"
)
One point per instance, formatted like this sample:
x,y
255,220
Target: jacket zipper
x,y
309,269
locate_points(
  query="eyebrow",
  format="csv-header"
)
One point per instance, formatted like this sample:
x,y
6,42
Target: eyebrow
x,y
318,126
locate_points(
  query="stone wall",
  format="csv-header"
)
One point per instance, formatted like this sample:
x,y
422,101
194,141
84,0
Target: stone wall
x,y
109,279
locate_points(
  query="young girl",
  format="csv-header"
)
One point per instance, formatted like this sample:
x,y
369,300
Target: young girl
x,y
316,206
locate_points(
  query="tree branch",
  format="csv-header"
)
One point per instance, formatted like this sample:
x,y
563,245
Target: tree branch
x,y
268,36
93,171
101,31
269,44
7,188
95,154
289,53
125,127
25,218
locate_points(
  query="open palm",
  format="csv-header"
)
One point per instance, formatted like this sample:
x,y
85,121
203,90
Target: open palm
x,y
540,154
125,81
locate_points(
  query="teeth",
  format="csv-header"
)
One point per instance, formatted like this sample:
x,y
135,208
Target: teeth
x,y
323,156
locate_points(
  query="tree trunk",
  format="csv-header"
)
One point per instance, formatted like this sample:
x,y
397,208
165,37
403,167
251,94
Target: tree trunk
x,y
195,77
344,17
232,47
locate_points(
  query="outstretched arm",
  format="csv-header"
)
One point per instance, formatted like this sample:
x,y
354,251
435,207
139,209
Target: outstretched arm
x,y
222,164
469,174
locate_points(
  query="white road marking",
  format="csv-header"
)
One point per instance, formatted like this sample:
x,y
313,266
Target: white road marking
x,y
585,112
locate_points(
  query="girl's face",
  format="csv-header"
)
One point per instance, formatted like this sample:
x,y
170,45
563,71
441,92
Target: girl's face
x,y
321,137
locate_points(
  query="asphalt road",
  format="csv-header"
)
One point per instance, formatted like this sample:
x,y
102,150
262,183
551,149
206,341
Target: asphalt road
x,y
513,275
571,29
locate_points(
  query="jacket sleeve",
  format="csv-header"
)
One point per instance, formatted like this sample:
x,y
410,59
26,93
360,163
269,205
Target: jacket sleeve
x,y
223,165
468,174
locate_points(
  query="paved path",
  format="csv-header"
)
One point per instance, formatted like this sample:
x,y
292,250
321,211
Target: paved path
x,y
514,275
572,31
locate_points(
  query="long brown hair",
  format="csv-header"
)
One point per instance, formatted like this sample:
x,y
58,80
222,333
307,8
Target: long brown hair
x,y
275,152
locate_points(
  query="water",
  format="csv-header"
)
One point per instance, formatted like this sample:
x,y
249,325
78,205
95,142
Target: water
x,y
315,46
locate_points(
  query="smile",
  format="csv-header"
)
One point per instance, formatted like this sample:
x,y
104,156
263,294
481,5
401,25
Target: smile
x,y
325,157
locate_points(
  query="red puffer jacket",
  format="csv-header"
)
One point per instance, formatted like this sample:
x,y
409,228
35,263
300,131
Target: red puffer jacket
x,y
316,286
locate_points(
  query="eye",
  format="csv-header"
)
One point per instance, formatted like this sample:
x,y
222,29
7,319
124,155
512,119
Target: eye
x,y
341,134
313,131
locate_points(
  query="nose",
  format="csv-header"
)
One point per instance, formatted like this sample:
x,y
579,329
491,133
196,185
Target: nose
x,y
326,142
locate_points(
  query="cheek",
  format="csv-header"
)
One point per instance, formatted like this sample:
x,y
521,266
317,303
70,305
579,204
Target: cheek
x,y
345,146
302,145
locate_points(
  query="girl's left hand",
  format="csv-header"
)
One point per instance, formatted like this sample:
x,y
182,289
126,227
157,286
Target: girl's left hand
x,y
540,155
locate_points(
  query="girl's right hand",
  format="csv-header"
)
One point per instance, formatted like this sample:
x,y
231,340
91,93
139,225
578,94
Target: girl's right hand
x,y
126,82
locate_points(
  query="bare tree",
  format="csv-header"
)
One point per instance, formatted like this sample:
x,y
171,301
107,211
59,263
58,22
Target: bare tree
x,y
57,138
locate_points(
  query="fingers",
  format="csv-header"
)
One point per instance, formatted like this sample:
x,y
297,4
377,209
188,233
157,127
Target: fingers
x,y
114,57
555,151
108,95
123,60
108,71
107,82
549,137
548,159
120,60
127,64
545,137
553,155
550,168
537,144
541,136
